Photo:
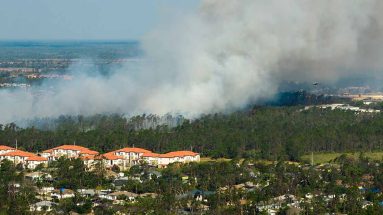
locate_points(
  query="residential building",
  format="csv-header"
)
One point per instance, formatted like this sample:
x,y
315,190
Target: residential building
x,y
123,158
131,155
69,151
111,159
171,157
121,195
43,206
35,176
27,159
62,193
151,158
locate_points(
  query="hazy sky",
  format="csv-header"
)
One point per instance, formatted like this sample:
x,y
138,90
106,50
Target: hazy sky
x,y
84,19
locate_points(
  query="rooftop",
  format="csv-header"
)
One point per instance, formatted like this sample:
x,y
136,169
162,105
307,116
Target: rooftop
x,y
179,154
2,147
151,154
37,158
83,150
123,193
133,149
19,153
111,156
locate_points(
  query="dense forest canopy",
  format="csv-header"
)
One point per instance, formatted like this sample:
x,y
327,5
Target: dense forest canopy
x,y
264,132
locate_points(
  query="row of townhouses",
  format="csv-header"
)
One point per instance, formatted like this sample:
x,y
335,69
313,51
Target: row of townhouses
x,y
122,158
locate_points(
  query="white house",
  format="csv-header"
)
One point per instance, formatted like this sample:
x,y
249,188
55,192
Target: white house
x,y
111,159
131,155
69,151
42,206
37,175
122,158
151,158
34,161
27,159
178,156
122,195
134,156
62,193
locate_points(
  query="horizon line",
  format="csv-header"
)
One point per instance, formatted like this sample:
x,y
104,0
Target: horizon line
x,y
70,40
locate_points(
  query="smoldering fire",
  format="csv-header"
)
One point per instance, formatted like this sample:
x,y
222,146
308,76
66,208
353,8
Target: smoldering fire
x,y
222,57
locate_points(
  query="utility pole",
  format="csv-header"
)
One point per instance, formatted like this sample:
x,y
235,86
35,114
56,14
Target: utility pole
x,y
312,158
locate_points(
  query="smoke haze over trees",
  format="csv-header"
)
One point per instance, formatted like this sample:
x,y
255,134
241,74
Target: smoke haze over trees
x,y
221,58
270,133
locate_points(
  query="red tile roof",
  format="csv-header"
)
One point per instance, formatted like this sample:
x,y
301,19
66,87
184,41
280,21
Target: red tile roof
x,y
37,158
179,154
151,154
19,153
83,150
89,152
170,154
111,156
133,149
2,147
71,147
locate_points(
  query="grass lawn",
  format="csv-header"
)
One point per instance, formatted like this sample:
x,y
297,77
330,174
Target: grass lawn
x,y
209,159
327,157
266,162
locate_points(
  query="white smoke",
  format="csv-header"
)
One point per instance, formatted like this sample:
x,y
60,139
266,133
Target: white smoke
x,y
223,57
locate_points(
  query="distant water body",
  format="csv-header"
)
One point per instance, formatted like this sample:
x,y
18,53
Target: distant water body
x,y
13,50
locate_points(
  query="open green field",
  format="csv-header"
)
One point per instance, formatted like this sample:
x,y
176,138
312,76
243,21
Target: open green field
x,y
327,157
209,159
266,162
319,158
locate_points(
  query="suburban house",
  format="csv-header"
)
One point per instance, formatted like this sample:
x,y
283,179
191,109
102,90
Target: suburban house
x,y
44,192
124,157
27,159
111,159
34,161
178,156
151,158
171,157
69,151
43,206
131,155
62,193
89,160
122,195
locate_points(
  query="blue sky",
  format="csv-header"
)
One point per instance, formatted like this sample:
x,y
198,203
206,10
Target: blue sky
x,y
85,19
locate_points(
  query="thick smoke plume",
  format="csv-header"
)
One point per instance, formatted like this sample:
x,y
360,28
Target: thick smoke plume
x,y
223,57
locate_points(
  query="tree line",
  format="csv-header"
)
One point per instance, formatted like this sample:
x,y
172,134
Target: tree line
x,y
262,132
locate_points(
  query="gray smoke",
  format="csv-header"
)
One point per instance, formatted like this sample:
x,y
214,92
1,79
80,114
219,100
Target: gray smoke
x,y
223,57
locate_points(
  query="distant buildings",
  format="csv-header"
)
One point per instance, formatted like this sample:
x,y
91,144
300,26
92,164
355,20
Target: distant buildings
x,y
69,151
43,206
14,85
133,156
122,158
171,157
344,107
27,159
